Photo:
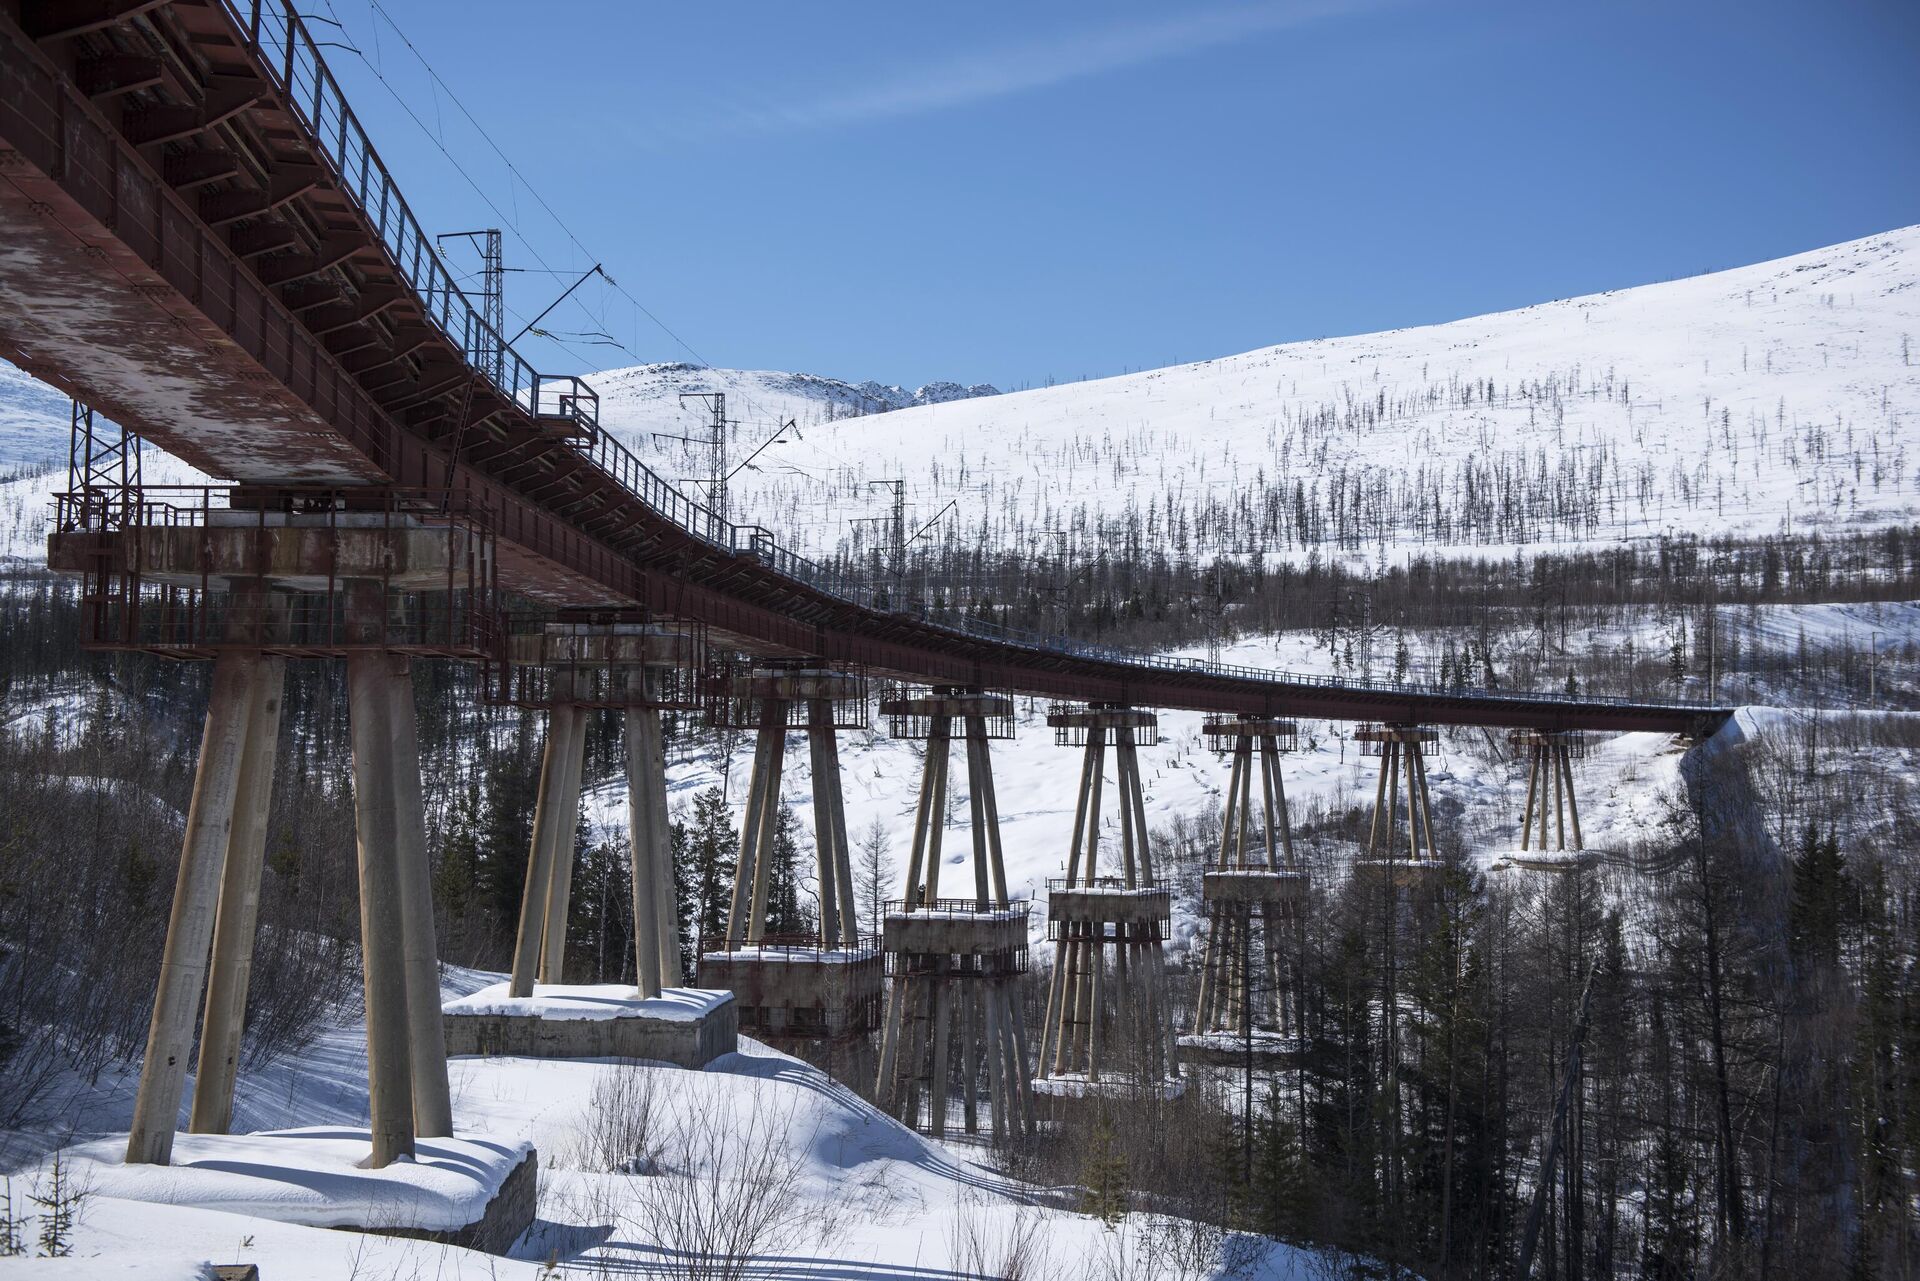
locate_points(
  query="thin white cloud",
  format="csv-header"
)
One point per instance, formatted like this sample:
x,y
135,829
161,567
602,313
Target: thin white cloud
x,y
1038,64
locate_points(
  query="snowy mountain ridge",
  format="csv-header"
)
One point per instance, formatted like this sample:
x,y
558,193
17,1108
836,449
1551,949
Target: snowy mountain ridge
x,y
806,398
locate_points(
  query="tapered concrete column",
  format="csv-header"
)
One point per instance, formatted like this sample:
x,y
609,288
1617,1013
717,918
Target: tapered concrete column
x,y
382,913
651,847
553,947
666,899
183,964
827,854
843,857
426,1037
238,916
769,744
763,851
540,849
937,1083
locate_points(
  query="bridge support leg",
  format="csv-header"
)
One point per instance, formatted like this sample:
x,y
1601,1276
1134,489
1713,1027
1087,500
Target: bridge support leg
x,y
559,892
940,998
886,1086
1550,794
656,934
239,911
183,964
769,827
382,907
1003,1086
426,1037
970,1059
1403,783
839,922
561,720
1107,1018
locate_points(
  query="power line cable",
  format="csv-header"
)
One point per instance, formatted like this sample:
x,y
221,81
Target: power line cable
x,y
376,7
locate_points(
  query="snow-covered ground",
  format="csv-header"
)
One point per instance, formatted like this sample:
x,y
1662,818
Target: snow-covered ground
x,y
850,1192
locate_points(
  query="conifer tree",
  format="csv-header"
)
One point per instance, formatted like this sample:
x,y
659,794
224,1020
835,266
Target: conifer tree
x,y
713,853
783,877
1105,1175
686,897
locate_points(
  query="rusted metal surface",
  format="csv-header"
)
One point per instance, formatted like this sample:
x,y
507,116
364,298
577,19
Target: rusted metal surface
x,y
177,571
608,659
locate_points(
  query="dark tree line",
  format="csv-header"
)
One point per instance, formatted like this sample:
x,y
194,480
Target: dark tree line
x,y
1748,1098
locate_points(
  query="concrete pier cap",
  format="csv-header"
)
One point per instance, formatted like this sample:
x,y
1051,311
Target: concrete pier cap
x,y
1253,886
289,552
955,932
613,645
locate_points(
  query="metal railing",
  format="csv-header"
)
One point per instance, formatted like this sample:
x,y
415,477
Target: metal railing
x,y
171,587
958,907
781,947
1104,885
293,58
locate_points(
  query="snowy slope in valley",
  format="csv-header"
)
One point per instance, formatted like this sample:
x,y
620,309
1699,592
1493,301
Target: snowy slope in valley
x,y
647,397
857,1194
1782,395
34,422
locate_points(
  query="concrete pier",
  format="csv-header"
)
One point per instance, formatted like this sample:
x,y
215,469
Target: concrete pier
x,y
801,990
1550,795
426,1046
203,853
1107,1023
1402,784
237,918
1254,893
562,722
954,962
382,908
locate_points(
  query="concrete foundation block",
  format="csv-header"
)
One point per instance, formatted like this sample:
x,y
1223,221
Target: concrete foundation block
x,y
687,1027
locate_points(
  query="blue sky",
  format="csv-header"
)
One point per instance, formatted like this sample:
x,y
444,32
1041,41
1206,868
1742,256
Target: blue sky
x,y
1012,193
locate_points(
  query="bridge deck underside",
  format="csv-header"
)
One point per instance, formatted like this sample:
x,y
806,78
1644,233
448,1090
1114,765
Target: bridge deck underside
x,y
117,289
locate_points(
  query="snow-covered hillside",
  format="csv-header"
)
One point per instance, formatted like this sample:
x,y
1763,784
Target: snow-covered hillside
x,y
1782,395
839,1189
33,422
34,426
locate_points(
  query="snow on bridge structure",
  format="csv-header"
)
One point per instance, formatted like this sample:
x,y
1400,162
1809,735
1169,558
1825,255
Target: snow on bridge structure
x,y
198,239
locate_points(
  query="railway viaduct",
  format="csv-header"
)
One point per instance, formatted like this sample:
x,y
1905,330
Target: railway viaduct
x,y
198,239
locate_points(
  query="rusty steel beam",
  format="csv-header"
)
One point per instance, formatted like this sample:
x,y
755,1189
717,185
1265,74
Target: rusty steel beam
x,y
292,181
186,170
150,126
63,19
267,238
110,75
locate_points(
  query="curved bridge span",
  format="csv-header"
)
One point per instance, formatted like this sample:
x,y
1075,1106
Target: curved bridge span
x,y
197,237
